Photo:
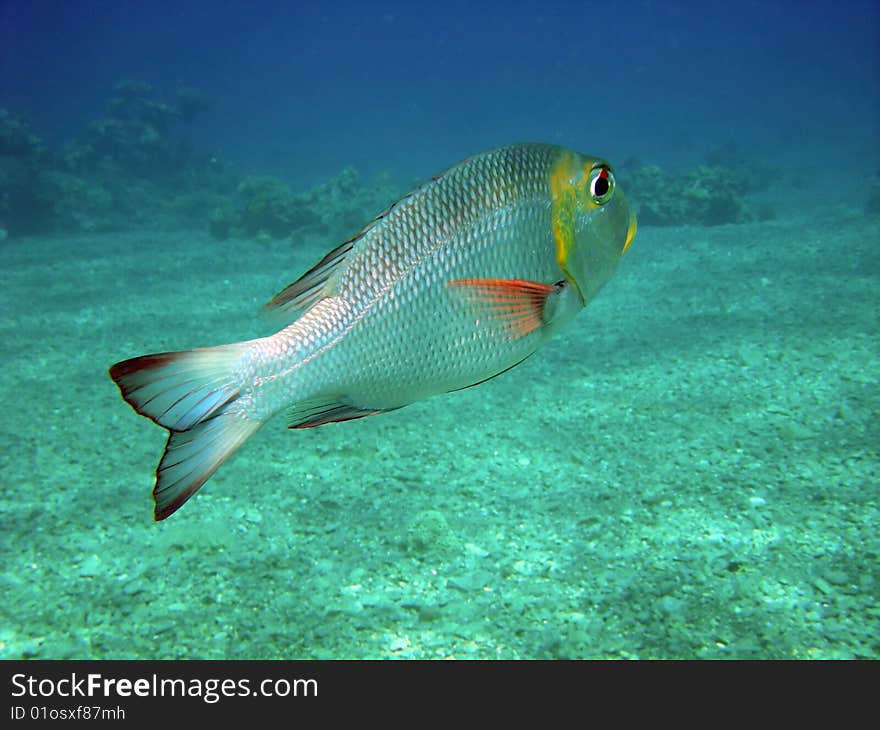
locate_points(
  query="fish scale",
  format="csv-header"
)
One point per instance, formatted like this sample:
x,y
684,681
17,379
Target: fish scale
x,y
393,308
455,283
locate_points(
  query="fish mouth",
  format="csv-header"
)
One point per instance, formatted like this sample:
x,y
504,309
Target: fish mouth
x,y
630,233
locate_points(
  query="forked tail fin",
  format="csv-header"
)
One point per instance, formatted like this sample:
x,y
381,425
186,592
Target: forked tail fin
x,y
190,393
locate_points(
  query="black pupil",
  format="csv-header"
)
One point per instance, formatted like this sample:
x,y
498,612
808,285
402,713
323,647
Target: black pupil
x,y
601,186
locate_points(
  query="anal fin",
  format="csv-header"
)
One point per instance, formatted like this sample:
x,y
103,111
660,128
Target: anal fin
x,y
319,413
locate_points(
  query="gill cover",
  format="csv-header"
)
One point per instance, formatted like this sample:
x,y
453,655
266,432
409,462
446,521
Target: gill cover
x,y
592,223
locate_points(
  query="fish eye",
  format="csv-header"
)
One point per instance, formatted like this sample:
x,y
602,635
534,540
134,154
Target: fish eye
x,y
601,185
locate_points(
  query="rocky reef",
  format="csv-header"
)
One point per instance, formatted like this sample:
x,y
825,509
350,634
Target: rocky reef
x,y
22,157
135,167
706,196
131,167
265,206
714,193
138,137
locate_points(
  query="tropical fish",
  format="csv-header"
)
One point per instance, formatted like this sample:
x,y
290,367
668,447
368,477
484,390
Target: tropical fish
x,y
455,283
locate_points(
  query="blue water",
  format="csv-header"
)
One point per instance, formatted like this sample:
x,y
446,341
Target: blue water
x,y
304,89
690,471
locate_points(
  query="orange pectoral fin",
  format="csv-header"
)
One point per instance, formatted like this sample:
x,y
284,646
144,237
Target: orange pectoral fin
x,y
516,304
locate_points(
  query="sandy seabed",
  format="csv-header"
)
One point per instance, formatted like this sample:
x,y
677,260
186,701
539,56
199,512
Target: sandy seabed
x,y
690,470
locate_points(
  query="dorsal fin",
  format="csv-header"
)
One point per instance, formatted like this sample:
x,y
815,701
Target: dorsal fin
x,y
295,298
310,287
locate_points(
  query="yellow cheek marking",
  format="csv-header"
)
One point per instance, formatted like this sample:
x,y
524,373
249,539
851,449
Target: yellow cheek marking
x,y
566,176
630,233
563,194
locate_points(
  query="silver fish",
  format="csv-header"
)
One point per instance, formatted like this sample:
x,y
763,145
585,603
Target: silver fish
x,y
457,282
